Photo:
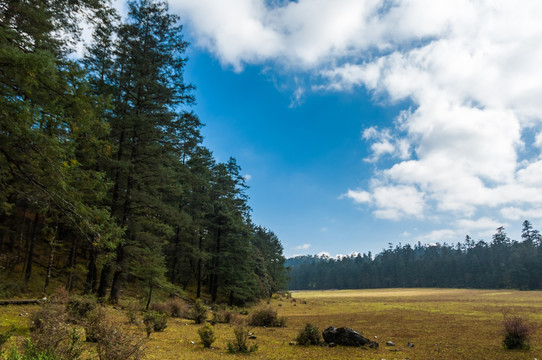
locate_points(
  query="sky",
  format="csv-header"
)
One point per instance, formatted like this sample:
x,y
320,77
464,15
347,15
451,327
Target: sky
x,y
359,123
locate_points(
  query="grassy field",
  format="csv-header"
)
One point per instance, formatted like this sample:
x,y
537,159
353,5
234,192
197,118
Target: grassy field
x,y
441,323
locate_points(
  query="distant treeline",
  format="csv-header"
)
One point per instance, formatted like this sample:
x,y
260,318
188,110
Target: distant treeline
x,y
502,263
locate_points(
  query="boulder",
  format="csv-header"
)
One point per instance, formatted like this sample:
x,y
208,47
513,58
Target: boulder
x,y
344,336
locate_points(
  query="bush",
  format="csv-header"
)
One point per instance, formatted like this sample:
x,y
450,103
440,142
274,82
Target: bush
x,y
80,307
50,333
175,308
30,353
240,343
516,333
93,324
132,311
310,335
266,317
114,343
60,296
207,335
223,317
154,321
199,312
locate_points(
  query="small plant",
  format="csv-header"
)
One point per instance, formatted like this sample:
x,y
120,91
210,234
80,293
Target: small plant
x,y
207,335
154,321
60,296
175,308
93,324
223,317
199,312
240,343
80,307
266,317
516,333
310,335
30,353
4,337
114,343
132,312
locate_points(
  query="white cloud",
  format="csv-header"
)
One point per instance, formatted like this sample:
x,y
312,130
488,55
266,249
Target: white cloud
x,y
303,247
396,202
359,196
248,177
469,68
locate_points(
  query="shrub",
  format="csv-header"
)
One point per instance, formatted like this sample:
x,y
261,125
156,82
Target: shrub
x,y
223,317
310,335
174,307
154,321
240,343
30,353
178,308
51,333
93,324
199,312
266,317
60,296
114,343
80,307
132,311
207,335
516,333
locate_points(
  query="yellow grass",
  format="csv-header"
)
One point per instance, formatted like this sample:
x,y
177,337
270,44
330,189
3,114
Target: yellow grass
x,y
442,324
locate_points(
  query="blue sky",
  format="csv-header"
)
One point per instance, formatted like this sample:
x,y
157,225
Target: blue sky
x,y
360,123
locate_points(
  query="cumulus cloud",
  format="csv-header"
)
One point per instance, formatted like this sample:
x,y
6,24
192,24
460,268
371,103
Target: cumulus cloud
x,y
303,247
470,71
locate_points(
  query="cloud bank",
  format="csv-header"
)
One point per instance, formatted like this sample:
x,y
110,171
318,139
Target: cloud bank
x,y
471,140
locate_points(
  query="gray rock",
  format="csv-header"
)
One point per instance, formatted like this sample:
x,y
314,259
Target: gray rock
x,y
344,336
390,343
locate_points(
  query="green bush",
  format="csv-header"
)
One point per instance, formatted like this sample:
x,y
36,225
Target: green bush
x,y
199,312
310,335
154,321
207,335
240,343
31,353
266,317
80,307
516,333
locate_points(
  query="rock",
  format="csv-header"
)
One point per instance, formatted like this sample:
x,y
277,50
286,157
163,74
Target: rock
x,y
332,344
344,336
410,345
291,343
390,343
373,345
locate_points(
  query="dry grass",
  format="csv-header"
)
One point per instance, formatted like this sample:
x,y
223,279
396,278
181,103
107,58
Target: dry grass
x,y
442,324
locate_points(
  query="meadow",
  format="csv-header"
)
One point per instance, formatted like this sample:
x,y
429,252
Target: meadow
x,y
441,323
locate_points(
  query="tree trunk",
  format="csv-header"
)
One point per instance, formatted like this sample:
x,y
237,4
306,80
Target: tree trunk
x,y
51,260
149,297
30,257
92,274
117,275
73,258
214,279
104,276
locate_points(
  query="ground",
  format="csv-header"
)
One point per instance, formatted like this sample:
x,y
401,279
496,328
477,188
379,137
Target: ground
x,y
441,323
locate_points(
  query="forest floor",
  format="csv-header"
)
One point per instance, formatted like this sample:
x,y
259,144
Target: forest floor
x,y
441,323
